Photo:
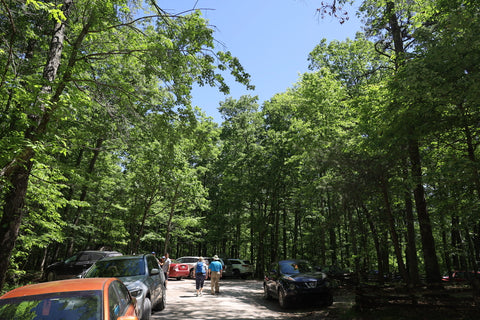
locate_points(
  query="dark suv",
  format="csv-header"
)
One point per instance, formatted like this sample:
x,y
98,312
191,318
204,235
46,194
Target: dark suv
x,y
75,265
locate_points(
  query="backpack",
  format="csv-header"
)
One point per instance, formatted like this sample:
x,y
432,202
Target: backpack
x,y
200,267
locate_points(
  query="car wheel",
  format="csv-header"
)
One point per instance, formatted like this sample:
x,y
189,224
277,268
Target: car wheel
x,y
51,276
282,299
236,273
147,309
190,275
266,294
179,278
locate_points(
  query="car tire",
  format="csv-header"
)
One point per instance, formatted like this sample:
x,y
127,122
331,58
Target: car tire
x,y
266,294
147,309
236,273
282,299
190,275
51,276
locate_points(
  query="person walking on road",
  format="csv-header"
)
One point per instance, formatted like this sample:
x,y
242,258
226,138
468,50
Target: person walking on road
x,y
215,270
200,272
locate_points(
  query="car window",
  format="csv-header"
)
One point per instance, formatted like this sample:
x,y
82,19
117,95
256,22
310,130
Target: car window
x,y
152,264
84,257
94,256
68,305
117,268
71,259
235,262
295,267
119,299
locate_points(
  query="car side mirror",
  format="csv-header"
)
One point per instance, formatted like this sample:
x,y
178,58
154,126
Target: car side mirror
x,y
154,271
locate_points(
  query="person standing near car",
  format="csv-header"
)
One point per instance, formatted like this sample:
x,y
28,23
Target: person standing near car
x,y
200,272
166,267
215,270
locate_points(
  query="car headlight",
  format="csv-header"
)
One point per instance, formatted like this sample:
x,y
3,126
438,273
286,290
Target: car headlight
x,y
136,292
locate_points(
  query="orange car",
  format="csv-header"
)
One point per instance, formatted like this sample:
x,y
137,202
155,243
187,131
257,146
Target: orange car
x,y
95,298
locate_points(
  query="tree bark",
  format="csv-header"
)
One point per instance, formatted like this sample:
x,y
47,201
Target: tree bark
x,y
376,241
432,268
428,243
18,170
393,231
412,259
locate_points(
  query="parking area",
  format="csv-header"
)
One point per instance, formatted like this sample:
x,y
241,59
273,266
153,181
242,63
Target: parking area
x,y
238,299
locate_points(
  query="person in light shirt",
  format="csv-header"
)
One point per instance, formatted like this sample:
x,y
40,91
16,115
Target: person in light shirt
x,y
166,267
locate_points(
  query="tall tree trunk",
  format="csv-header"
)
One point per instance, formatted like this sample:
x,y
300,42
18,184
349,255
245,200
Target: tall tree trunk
x,y
17,171
393,231
411,251
428,243
284,232
171,214
432,268
331,231
470,149
296,231
83,195
376,241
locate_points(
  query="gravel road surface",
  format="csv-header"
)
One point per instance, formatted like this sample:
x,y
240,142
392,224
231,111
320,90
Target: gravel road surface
x,y
238,299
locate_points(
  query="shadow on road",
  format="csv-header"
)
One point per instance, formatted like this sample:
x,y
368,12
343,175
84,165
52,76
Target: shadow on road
x,y
238,299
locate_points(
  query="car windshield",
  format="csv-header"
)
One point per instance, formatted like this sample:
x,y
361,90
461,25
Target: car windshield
x,y
290,267
82,305
71,259
117,268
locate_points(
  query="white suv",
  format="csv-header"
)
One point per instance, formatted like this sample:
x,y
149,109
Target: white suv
x,y
239,268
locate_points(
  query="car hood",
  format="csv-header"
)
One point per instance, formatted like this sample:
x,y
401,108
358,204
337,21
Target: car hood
x,y
134,279
306,277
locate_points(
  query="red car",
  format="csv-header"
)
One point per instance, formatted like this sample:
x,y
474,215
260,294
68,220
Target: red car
x,y
178,270
462,276
75,299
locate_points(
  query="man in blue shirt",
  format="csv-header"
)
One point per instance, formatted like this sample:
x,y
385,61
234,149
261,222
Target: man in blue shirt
x,y
215,270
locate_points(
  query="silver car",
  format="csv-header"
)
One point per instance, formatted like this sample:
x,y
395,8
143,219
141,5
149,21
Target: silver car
x,y
141,275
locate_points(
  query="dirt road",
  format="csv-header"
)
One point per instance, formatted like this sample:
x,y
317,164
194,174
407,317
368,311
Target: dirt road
x,y
238,299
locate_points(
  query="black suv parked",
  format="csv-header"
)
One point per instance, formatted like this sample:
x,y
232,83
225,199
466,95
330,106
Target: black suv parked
x,y
75,265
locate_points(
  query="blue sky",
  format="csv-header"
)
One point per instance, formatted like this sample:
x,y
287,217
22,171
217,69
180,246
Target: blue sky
x,y
271,38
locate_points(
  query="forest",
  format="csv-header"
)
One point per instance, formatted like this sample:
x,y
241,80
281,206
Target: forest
x,y
369,162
